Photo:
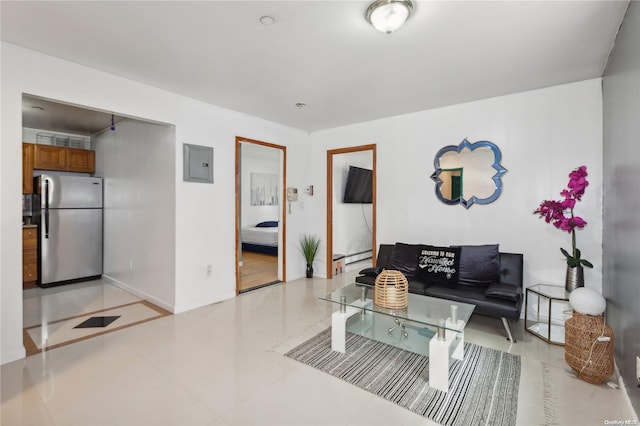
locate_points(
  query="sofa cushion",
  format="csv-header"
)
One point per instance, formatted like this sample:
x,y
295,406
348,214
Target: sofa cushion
x,y
504,291
479,265
384,255
405,259
416,286
439,265
511,266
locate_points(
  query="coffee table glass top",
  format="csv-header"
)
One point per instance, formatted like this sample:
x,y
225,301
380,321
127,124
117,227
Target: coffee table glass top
x,y
425,310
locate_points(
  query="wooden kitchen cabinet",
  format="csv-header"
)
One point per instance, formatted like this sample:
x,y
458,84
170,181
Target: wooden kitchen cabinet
x,y
27,168
29,256
81,160
50,157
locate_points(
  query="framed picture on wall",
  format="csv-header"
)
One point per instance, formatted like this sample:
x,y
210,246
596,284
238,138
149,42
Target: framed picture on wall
x,y
264,189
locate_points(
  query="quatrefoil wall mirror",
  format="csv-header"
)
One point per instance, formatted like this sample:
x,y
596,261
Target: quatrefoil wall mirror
x,y
469,173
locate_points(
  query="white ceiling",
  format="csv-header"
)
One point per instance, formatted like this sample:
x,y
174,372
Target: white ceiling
x,y
324,53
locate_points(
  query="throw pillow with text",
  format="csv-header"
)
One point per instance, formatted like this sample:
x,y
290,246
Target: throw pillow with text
x,y
439,265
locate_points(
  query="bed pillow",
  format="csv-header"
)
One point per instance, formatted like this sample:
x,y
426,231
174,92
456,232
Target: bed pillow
x,y
405,259
479,265
439,265
268,224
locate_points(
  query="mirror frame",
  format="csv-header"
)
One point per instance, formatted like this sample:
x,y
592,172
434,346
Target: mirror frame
x,y
471,146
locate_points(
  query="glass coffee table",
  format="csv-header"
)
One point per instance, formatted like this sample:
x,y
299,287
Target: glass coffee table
x,y
428,326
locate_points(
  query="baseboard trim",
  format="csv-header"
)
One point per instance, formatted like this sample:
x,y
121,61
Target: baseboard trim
x,y
14,355
625,391
140,294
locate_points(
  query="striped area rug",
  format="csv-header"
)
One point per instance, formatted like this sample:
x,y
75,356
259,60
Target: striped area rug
x,y
483,388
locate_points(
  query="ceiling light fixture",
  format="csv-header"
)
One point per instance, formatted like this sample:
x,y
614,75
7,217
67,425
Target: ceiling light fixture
x,y
389,15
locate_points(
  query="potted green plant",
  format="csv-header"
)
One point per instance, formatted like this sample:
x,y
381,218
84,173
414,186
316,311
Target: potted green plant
x,y
309,245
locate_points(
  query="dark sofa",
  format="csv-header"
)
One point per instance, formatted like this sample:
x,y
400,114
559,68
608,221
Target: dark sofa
x,y
480,275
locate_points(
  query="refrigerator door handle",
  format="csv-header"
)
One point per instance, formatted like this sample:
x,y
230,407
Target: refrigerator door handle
x,y
46,223
46,208
46,193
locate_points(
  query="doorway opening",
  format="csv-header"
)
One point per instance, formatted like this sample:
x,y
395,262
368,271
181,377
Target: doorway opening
x,y
135,160
260,218
351,206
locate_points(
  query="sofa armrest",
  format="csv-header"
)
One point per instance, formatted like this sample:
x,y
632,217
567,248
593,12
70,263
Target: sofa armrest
x,y
504,291
372,272
365,280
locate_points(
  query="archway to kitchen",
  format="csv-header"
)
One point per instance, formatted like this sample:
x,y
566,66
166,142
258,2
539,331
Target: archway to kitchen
x,y
260,218
135,161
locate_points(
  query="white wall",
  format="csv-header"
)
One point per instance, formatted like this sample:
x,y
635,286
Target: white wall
x,y
257,159
204,214
351,222
621,93
543,135
137,163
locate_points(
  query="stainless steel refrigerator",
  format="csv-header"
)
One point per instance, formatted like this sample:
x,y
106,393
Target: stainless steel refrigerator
x,y
70,228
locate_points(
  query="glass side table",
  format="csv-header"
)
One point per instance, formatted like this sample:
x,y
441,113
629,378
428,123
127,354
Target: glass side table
x,y
545,300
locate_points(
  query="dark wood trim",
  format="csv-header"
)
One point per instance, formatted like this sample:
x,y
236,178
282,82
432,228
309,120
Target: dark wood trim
x,y
283,197
329,216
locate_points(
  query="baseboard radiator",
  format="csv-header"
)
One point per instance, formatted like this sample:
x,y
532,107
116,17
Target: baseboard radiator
x,y
356,257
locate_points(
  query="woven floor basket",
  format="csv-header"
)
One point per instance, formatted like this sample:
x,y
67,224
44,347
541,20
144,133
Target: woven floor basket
x,y
590,358
391,290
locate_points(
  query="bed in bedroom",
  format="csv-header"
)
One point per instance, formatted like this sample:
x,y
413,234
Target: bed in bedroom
x,y
262,238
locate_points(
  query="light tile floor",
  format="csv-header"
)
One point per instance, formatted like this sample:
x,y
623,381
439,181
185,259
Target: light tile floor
x,y
223,365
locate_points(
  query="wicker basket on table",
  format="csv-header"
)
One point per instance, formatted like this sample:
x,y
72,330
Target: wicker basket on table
x,y
590,358
391,290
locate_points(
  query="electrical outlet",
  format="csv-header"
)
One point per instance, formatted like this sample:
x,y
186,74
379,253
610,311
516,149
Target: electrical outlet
x,y
209,269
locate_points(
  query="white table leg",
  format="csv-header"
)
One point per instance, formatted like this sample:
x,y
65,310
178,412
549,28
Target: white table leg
x,y
339,328
458,352
439,351
439,364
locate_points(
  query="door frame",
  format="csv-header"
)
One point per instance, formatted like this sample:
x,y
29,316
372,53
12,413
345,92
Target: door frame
x,y
283,216
329,236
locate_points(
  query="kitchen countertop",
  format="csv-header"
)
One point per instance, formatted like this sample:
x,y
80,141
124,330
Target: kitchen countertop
x,y
27,226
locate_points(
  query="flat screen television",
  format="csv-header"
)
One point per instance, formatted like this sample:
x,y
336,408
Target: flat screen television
x,y
359,188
